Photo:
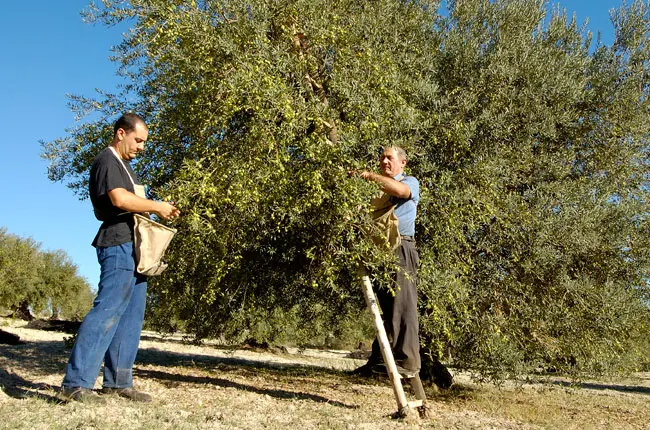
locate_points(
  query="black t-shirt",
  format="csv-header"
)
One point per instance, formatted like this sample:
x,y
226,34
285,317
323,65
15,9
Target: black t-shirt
x,y
106,174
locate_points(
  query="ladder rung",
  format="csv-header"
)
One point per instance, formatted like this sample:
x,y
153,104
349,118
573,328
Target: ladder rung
x,y
415,404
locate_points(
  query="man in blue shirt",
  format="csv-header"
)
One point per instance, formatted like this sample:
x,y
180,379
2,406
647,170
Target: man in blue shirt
x,y
400,310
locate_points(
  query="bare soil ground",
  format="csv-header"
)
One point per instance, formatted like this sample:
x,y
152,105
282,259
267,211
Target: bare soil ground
x,y
212,387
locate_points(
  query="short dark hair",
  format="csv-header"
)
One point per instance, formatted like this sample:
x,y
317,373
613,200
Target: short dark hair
x,y
127,122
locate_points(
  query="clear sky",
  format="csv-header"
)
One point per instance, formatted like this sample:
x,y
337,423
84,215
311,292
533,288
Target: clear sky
x,y
46,52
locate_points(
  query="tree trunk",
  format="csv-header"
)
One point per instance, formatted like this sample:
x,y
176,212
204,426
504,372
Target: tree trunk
x,y
22,311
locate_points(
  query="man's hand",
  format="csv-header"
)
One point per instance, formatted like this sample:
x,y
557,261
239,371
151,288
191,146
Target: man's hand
x,y
386,183
166,210
368,176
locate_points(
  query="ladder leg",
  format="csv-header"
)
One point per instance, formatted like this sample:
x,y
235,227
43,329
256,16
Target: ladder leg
x,y
382,338
416,384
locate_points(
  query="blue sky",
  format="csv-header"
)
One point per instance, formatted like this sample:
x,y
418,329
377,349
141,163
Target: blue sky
x,y
48,52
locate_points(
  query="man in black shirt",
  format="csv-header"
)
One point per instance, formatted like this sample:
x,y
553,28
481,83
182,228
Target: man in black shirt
x,y
111,330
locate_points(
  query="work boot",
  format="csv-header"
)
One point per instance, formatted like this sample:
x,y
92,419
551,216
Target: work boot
x,y
81,395
128,393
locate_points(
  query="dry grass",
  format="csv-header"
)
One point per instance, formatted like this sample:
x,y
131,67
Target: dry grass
x,y
208,387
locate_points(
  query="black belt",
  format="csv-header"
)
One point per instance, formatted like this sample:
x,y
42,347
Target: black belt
x,y
407,238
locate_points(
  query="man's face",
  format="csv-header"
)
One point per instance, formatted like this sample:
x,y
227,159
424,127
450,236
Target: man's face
x,y
391,164
131,142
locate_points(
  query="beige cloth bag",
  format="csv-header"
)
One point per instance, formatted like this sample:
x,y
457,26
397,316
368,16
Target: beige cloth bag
x,y
150,239
386,223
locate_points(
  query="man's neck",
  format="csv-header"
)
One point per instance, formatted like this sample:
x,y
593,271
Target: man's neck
x,y
117,151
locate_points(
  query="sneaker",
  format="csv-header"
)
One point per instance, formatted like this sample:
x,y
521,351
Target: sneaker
x,y
128,393
81,395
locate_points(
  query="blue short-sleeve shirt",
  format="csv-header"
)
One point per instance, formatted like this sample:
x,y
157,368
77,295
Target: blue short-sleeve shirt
x,y
406,209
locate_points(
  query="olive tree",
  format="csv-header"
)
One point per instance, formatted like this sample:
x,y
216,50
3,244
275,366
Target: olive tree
x,y
529,140
35,281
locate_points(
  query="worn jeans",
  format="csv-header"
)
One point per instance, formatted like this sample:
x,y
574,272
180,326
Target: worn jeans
x,y
111,330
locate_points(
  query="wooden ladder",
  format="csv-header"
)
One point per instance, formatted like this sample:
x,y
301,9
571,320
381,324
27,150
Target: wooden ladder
x,y
403,406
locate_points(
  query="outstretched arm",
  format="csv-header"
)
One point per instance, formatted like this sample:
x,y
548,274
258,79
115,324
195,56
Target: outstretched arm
x,y
388,185
128,201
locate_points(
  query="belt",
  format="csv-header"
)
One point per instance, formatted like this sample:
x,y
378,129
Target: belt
x,y
407,238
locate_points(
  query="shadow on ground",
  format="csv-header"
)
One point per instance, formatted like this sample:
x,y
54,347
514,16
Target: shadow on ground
x,y
168,339
17,387
35,358
158,357
602,386
225,383
20,363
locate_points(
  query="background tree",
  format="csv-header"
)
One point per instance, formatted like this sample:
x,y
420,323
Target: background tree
x,y
35,281
68,293
19,266
531,149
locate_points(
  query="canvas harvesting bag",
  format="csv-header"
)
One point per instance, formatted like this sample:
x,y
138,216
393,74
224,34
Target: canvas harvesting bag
x,y
150,238
386,223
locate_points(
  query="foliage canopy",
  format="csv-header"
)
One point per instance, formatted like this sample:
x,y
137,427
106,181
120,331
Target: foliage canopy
x,y
530,146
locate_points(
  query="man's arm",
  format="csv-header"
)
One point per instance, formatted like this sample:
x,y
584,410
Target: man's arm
x,y
388,185
128,201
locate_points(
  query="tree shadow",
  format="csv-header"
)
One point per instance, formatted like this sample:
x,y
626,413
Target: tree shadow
x,y
157,357
44,357
638,389
225,383
169,339
47,357
50,357
458,391
19,388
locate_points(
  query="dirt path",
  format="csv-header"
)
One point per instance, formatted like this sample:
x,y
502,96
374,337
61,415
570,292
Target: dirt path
x,y
214,387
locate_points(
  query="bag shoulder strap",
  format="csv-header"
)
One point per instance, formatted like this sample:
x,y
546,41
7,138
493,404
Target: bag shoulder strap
x,y
122,164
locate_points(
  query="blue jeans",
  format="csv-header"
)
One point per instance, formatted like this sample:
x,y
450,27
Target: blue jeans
x,y
111,330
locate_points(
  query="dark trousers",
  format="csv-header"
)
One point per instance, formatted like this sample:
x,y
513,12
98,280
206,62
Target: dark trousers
x,y
400,312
